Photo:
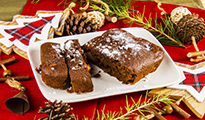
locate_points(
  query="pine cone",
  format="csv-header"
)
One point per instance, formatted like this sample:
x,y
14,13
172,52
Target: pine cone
x,y
188,26
79,23
57,111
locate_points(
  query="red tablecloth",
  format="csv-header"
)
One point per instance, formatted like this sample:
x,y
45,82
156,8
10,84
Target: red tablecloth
x,y
80,109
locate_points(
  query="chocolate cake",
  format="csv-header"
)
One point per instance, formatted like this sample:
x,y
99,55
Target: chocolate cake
x,y
121,54
54,71
80,77
65,67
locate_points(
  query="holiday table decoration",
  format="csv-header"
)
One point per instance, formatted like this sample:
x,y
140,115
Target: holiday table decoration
x,y
18,103
23,34
17,37
154,106
194,105
97,17
190,25
19,78
56,111
189,29
178,12
24,30
7,73
80,23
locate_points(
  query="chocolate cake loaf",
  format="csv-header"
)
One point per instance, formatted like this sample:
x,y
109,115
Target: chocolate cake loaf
x,y
65,67
54,71
123,55
80,77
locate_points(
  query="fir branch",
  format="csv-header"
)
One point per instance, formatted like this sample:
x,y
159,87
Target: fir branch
x,y
34,1
122,11
51,115
121,8
147,23
65,3
136,108
62,2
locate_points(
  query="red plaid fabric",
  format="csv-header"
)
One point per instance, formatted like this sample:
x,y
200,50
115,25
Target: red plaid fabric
x,y
195,80
23,34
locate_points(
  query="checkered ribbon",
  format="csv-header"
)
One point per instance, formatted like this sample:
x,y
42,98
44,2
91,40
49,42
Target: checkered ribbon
x,y
195,80
24,34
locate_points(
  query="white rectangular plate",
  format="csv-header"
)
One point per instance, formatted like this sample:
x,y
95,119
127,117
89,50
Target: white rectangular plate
x,y
106,85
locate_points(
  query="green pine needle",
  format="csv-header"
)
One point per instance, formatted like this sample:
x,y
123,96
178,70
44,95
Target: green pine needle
x,y
136,108
51,115
164,31
34,1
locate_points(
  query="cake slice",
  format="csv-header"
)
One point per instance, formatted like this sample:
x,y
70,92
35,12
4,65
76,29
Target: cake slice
x,y
54,71
121,54
80,78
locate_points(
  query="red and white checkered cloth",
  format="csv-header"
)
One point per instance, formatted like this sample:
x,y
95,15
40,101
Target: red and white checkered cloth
x,y
23,34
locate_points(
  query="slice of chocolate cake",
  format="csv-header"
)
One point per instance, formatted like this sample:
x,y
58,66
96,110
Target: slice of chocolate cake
x,y
54,71
123,55
78,70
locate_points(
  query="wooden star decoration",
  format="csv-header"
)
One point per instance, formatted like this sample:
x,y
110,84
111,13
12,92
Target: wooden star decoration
x,y
55,27
194,105
191,89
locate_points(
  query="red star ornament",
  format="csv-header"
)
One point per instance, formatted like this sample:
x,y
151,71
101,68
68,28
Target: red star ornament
x,y
194,84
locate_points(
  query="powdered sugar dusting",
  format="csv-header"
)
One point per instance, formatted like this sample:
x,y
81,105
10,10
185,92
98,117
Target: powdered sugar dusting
x,y
58,49
52,68
119,45
74,55
147,46
68,44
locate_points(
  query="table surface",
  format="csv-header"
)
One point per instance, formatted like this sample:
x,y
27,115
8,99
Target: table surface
x,y
80,109
9,8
